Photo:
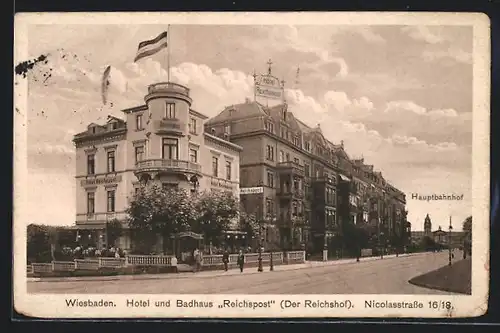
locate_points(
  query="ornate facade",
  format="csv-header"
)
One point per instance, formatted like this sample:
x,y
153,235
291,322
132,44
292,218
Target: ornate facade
x,y
312,189
162,141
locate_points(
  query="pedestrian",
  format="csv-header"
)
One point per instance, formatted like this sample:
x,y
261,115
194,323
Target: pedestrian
x,y
241,260
199,262
173,263
225,259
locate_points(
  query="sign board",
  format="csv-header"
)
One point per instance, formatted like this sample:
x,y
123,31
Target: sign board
x,y
268,86
101,181
366,252
251,190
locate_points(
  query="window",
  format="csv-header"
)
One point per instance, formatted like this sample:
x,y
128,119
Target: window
x,y
111,201
215,166
283,132
282,156
287,157
138,122
139,153
192,126
330,217
90,203
269,207
91,164
111,161
296,140
269,126
137,189
270,153
284,115
228,170
113,125
295,209
227,129
307,145
296,160
193,155
170,149
170,111
306,170
270,179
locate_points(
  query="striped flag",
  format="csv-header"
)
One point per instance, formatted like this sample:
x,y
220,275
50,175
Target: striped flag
x,y
150,47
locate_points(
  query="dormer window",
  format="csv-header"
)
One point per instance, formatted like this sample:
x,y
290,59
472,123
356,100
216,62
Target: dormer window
x,y
227,129
169,111
93,130
269,126
307,146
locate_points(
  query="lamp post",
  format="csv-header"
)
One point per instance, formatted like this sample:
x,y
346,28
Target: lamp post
x,y
449,243
381,244
260,268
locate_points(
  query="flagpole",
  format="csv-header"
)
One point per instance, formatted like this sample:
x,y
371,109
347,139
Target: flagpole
x,y
168,52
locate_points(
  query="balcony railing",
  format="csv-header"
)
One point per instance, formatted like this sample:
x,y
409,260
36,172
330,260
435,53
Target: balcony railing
x,y
290,193
168,165
168,125
168,87
291,167
99,217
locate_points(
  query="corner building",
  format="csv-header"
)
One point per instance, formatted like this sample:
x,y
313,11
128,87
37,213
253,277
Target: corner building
x,y
162,141
311,188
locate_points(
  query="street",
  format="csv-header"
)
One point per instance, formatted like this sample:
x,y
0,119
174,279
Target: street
x,y
387,276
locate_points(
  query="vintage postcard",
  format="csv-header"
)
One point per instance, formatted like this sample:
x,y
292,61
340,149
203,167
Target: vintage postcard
x,y
251,165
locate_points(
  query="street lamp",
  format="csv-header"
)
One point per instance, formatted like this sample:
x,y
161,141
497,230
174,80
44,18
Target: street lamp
x,y
449,243
381,244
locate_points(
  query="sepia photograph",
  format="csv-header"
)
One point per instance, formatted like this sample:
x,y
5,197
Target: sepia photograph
x,y
251,164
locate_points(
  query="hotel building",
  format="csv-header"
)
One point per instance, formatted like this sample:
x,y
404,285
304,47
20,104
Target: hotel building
x,y
311,188
162,141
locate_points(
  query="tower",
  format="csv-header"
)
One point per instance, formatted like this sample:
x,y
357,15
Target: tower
x,y
427,226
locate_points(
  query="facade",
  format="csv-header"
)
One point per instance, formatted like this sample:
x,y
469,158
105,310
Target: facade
x,y
312,190
162,141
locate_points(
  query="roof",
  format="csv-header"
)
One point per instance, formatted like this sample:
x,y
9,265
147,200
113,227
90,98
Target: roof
x,y
248,109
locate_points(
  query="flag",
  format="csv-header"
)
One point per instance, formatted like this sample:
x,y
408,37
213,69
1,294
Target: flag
x,y
105,84
150,47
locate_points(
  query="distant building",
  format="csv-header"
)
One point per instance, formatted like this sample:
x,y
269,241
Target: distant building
x,y
439,236
162,141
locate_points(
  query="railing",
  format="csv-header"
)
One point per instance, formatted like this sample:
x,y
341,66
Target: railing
x,y
167,124
144,260
296,256
169,87
291,192
111,262
159,260
101,216
63,266
291,166
86,265
168,165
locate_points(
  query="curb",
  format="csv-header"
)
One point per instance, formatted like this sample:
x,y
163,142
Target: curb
x,y
200,276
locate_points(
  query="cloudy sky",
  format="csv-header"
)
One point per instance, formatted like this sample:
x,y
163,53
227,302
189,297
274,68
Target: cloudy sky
x,y
400,96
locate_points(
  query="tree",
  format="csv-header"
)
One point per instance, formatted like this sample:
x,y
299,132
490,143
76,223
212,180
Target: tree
x,y
156,211
38,246
467,225
216,211
114,231
249,223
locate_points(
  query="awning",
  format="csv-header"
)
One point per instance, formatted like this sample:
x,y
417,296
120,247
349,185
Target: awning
x,y
344,178
187,234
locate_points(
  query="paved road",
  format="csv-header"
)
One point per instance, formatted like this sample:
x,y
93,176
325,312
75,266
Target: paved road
x,y
387,276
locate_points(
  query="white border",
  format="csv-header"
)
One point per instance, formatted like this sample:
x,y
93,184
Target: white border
x,y
53,306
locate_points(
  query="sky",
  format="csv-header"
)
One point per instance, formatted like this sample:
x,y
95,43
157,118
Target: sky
x,y
399,96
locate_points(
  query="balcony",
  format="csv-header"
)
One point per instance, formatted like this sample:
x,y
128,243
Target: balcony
x,y
324,180
158,166
98,220
291,168
168,90
169,126
290,193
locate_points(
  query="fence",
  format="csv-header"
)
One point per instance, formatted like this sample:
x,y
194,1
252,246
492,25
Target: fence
x,y
159,260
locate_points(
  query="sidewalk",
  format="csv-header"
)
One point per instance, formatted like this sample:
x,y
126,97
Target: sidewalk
x,y
208,274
